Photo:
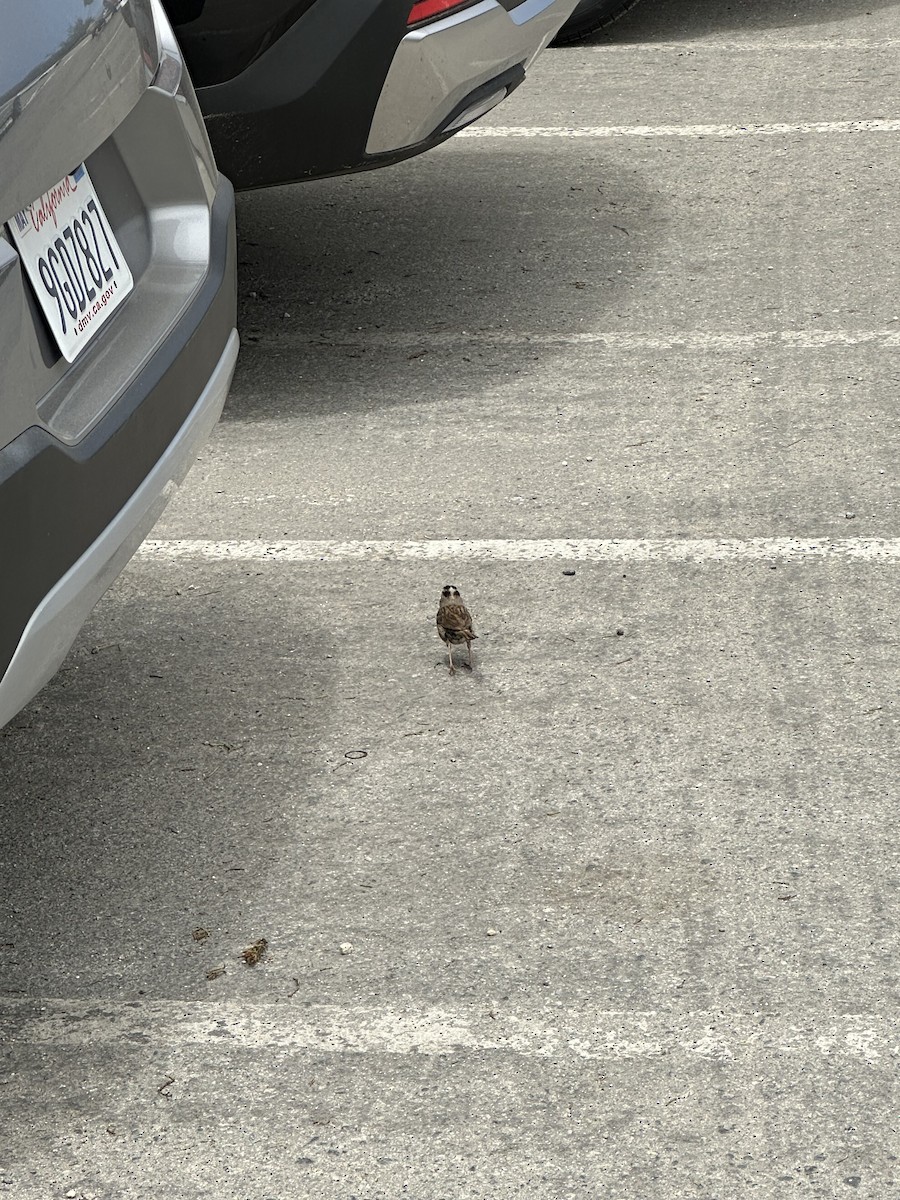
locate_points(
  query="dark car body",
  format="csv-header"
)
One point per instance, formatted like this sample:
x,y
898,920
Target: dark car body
x,y
589,17
299,89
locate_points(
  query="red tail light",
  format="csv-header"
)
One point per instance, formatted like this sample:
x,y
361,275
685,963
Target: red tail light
x,y
425,10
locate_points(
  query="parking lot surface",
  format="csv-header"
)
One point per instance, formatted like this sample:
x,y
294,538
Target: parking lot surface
x,y
615,913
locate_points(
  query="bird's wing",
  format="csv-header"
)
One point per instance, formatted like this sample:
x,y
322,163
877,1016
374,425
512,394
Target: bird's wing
x,y
455,616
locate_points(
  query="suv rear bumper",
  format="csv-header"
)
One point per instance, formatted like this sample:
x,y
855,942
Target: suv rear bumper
x,y
71,516
303,108
433,86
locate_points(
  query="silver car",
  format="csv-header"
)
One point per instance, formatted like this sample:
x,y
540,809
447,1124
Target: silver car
x,y
117,308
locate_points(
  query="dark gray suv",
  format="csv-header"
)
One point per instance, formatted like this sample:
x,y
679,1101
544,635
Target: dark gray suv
x,y
117,308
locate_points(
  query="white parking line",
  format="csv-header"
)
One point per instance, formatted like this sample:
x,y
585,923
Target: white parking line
x,y
748,46
794,339
543,1032
677,131
633,550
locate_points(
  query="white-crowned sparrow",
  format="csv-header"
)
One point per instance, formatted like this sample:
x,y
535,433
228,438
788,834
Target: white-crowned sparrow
x,y
454,622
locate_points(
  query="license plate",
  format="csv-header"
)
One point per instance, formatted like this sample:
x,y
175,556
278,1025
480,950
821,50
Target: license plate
x,y
73,260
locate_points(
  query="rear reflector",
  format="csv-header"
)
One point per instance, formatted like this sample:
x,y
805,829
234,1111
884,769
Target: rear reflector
x,y
424,10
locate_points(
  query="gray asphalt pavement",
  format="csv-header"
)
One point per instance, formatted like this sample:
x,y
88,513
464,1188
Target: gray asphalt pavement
x,y
615,914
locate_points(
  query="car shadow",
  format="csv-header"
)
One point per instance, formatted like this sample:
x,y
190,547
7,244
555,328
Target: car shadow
x,y
382,268
683,20
149,791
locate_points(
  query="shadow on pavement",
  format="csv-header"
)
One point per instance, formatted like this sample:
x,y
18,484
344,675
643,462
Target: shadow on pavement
x,y
465,239
150,789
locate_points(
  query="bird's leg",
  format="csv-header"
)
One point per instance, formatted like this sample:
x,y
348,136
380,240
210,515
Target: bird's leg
x,y
469,652
450,652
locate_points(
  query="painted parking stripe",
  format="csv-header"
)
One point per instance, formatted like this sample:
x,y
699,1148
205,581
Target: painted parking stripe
x,y
775,129
542,1032
793,339
633,550
747,46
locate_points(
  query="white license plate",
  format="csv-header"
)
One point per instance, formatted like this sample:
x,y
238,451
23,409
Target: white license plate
x,y
73,260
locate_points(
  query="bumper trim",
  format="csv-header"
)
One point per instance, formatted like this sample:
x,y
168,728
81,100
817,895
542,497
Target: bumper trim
x,y
56,621
437,65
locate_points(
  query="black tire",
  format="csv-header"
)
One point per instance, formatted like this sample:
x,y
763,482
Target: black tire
x,y
589,17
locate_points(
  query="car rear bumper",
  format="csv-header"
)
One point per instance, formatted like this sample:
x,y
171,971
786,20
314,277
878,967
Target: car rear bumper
x,y
303,109
450,72
72,515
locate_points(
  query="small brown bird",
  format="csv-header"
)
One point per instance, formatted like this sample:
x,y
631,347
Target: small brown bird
x,y
454,622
